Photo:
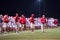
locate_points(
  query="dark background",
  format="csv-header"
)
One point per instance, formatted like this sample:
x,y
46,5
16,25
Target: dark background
x,y
51,8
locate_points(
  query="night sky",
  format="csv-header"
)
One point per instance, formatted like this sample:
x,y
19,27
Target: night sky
x,y
51,8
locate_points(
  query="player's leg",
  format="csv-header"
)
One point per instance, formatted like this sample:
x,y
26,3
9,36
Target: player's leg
x,y
16,28
0,27
22,28
32,27
4,27
42,27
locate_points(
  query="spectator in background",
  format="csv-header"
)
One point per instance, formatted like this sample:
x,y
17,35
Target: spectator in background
x,y
55,22
27,23
50,22
14,24
10,23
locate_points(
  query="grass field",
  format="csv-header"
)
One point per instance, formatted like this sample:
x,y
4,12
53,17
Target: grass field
x,y
49,34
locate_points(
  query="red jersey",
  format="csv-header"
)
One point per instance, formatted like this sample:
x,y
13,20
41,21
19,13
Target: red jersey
x,y
16,19
31,19
55,22
6,19
22,20
43,20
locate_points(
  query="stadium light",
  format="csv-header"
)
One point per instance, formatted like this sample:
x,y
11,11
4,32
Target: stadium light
x,y
39,6
38,0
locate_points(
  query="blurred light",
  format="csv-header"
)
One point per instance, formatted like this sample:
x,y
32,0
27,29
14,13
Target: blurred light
x,y
38,0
